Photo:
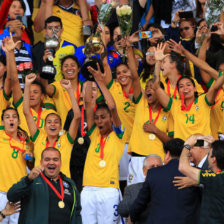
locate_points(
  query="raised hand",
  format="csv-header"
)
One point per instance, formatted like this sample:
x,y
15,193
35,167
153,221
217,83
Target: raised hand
x,y
97,74
174,46
9,44
220,27
159,52
66,84
30,78
133,38
35,172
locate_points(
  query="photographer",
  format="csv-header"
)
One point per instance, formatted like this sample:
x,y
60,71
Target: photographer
x,y
212,194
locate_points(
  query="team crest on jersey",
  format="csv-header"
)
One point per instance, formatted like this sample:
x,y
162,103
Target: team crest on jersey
x,y
164,118
197,108
58,145
65,184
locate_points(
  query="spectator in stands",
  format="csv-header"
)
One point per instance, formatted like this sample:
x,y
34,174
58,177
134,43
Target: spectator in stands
x,y
168,205
53,125
40,53
23,54
46,194
11,12
131,191
100,195
69,12
212,194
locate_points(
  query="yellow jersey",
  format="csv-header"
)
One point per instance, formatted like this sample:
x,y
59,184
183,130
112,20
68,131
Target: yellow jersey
x,y
23,124
194,121
96,175
62,100
65,49
12,163
72,24
174,91
125,107
141,142
64,144
4,99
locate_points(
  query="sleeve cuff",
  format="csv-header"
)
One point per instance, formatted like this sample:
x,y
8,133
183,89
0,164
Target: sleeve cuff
x,y
169,105
70,138
91,130
138,99
34,138
18,103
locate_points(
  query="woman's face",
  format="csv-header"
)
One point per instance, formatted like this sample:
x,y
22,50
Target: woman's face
x,y
10,121
150,56
123,75
186,30
107,34
70,69
150,93
186,88
53,125
15,9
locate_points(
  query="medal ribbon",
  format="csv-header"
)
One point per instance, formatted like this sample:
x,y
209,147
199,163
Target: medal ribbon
x,y
54,144
16,147
60,196
130,92
175,90
83,133
183,107
102,144
157,116
216,100
38,116
77,93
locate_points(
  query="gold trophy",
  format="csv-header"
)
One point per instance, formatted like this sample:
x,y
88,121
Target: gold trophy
x,y
94,52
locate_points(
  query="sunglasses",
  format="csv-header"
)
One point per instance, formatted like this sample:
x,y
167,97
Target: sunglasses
x,y
184,28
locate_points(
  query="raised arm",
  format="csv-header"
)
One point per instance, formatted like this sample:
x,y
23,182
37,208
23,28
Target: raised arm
x,y
184,164
161,95
213,90
12,76
26,104
133,68
107,95
89,105
75,107
45,11
48,88
202,65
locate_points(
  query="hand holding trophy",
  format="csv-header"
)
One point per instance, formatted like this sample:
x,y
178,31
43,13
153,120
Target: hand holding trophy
x,y
95,50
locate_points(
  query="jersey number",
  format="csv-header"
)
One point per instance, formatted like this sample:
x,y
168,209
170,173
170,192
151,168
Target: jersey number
x,y
126,108
97,148
15,153
190,119
41,122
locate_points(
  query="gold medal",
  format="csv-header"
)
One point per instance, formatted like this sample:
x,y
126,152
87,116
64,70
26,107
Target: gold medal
x,y
152,137
50,58
81,140
102,163
61,204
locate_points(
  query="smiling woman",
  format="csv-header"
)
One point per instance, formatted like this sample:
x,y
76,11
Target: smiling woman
x,y
70,69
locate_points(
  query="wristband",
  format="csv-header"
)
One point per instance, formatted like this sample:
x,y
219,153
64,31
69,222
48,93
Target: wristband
x,y
3,216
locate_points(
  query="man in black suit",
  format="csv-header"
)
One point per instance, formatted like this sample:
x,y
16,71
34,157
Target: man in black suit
x,y
168,204
131,191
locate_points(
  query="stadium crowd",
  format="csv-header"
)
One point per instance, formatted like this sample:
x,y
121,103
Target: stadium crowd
x,y
99,127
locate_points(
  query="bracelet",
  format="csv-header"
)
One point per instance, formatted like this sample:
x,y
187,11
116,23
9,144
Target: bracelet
x,y
3,216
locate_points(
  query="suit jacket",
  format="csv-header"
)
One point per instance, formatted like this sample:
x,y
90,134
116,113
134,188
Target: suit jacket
x,y
130,194
168,204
